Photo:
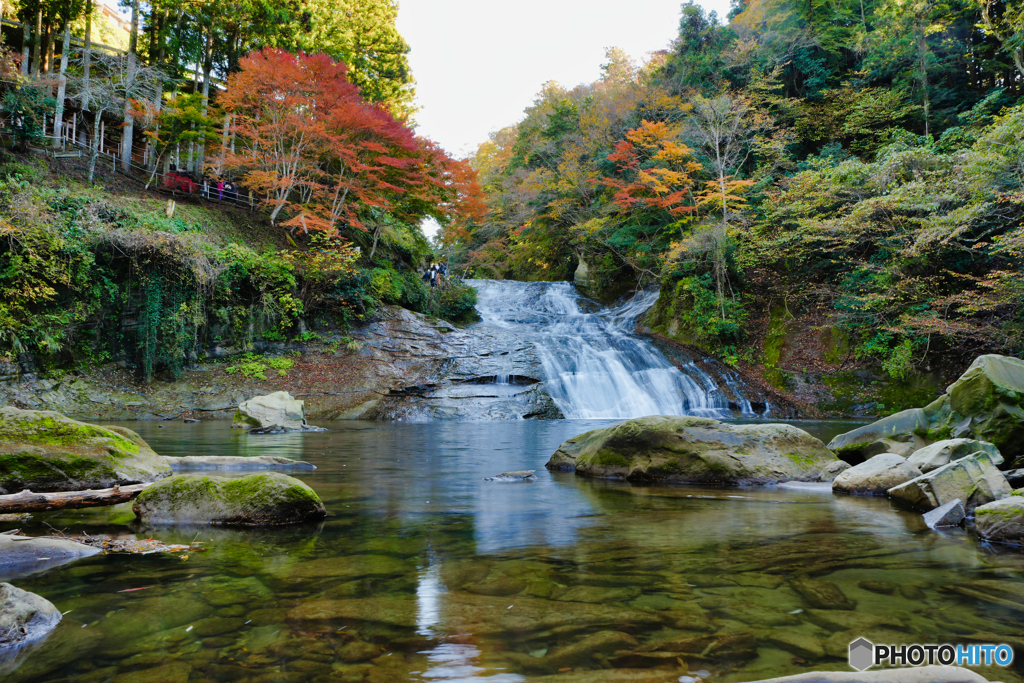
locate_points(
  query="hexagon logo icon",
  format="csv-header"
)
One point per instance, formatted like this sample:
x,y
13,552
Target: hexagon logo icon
x,y
862,654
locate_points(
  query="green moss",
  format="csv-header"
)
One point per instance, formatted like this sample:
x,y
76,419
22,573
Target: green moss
x,y
49,431
804,461
242,418
609,459
775,339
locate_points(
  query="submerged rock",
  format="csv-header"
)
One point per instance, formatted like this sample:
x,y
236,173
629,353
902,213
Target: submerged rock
x,y
22,555
231,462
24,617
986,404
276,412
697,450
266,499
876,476
44,451
934,456
1001,520
518,475
974,480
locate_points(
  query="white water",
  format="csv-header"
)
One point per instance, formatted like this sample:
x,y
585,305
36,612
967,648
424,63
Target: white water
x,y
595,366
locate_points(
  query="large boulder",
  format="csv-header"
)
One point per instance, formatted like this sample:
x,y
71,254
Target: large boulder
x,y
1001,520
23,555
901,433
264,499
876,476
934,456
44,451
695,449
975,480
276,412
986,404
24,617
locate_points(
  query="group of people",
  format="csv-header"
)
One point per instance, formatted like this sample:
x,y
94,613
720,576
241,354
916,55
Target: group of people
x,y
216,187
436,273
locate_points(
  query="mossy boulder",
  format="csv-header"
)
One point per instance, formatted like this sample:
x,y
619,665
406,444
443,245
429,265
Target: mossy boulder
x,y
696,450
264,499
901,433
974,480
1001,520
986,404
45,451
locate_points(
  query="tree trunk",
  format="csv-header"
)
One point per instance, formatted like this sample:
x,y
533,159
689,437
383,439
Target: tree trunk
x,y
98,116
128,131
207,70
50,49
26,41
37,44
58,117
27,501
86,57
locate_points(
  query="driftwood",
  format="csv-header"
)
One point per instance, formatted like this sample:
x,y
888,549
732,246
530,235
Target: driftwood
x,y
27,501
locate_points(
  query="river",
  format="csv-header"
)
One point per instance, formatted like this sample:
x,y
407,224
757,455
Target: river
x,y
425,572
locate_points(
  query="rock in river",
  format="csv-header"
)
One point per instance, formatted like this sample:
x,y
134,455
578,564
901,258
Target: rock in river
x,y
695,449
986,404
44,451
518,475
943,452
22,555
876,476
234,462
276,412
974,480
24,617
265,499
1001,520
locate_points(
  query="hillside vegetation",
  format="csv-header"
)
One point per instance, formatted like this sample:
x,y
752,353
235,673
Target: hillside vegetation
x,y
813,186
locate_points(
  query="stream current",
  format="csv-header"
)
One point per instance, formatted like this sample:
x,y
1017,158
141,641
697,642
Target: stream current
x,y
424,572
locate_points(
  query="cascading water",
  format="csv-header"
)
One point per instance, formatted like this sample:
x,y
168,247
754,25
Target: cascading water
x,y
595,367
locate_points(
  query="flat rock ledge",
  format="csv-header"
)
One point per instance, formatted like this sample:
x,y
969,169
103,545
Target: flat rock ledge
x,y
264,499
234,463
697,450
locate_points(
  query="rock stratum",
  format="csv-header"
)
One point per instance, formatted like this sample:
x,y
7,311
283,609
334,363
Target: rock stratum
x,y
697,450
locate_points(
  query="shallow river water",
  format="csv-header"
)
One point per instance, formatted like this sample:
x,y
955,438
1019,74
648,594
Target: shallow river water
x,y
425,572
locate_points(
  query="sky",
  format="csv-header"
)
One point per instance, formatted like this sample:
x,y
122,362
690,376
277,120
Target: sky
x,y
479,63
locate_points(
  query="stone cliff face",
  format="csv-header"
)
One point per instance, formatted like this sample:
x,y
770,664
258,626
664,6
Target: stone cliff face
x,y
407,367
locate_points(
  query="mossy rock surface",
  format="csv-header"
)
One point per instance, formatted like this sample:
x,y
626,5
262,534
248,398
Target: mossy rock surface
x,y
986,404
695,450
1001,520
43,450
264,499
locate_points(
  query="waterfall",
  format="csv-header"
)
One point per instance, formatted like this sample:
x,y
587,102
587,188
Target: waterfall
x,y
594,365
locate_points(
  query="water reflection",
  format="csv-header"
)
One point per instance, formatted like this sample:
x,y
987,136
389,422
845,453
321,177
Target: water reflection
x,y
423,571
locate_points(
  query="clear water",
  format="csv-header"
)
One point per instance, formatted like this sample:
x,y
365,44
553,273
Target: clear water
x,y
424,572
594,365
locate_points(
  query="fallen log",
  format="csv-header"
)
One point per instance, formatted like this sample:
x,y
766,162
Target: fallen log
x,y
27,501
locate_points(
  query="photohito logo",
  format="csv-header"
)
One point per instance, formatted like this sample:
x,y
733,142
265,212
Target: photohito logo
x,y
864,654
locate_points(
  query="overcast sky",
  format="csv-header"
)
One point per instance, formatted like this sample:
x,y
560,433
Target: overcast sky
x,y
479,63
